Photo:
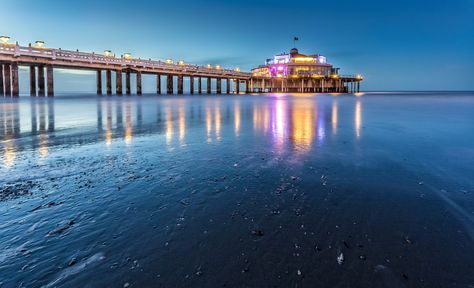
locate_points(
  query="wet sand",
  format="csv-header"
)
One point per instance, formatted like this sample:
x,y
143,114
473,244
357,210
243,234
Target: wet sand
x,y
374,190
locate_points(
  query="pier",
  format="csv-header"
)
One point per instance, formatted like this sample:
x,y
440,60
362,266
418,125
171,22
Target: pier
x,y
42,61
285,73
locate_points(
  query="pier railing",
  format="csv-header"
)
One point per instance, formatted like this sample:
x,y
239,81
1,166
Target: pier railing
x,y
17,51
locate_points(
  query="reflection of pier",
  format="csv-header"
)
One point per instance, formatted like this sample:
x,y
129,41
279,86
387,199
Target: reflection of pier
x,y
39,59
296,125
303,122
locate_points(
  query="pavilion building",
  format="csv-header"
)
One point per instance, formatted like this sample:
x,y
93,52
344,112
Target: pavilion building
x,y
298,73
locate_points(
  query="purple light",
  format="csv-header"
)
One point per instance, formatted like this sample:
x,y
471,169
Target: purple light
x,y
278,70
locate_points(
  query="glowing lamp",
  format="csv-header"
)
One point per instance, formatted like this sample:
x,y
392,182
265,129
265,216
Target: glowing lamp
x,y
237,69
280,68
127,55
209,66
359,77
169,61
335,76
107,53
4,39
39,44
181,63
218,66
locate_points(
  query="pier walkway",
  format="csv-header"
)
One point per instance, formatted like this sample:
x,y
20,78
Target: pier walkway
x,y
40,59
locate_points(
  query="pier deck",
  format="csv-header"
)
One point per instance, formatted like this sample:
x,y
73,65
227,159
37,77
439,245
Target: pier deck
x,y
39,58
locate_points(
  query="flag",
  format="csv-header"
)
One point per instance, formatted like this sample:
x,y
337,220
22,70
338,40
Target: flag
x,y
296,38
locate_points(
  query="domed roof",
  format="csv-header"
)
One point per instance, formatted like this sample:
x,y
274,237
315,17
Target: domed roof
x,y
294,51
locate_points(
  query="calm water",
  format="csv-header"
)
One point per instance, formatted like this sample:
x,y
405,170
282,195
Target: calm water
x,y
374,190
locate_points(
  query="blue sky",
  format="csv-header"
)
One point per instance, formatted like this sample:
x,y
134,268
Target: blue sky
x,y
396,45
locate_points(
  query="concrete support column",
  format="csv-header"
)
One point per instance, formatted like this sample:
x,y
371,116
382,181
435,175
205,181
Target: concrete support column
x,y
219,85
199,85
41,90
2,85
180,84
358,87
128,85
118,82
237,89
8,82
191,85
99,82
247,87
32,81
158,84
208,85
50,80
108,79
139,83
228,86
15,84
169,84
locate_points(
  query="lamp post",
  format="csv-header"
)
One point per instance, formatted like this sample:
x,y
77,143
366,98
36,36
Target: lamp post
x,y
39,44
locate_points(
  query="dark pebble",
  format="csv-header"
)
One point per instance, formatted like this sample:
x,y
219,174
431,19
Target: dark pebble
x,y
257,232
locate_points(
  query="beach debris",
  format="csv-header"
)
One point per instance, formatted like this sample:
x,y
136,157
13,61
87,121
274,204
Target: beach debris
x,y
408,240
135,264
340,259
298,272
199,271
61,228
362,257
126,285
47,205
257,232
10,191
72,262
345,244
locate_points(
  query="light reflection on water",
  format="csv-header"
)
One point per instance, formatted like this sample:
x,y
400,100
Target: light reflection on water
x,y
295,123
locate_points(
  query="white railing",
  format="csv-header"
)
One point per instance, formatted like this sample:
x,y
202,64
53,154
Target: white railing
x,y
94,58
